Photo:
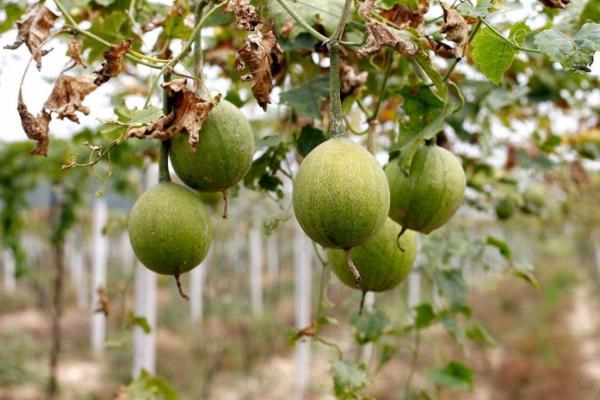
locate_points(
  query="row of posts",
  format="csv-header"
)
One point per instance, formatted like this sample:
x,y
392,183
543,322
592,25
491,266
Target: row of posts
x,y
145,287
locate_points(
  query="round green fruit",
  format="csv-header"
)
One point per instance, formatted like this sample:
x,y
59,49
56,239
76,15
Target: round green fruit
x,y
535,197
341,197
169,229
505,208
381,263
430,194
223,154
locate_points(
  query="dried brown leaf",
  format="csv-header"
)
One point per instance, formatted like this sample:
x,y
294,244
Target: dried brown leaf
x,y
511,157
404,17
103,305
160,129
36,127
380,36
350,81
365,8
456,30
245,14
34,28
189,113
578,173
68,94
74,52
114,62
264,58
562,4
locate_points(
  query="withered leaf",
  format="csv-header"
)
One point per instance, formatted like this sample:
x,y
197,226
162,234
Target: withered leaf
x,y
456,30
188,113
555,3
365,8
36,127
68,94
380,35
350,81
34,28
578,173
404,17
245,13
264,58
75,47
114,62
103,305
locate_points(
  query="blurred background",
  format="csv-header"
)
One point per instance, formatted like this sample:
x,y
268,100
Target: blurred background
x,y
502,302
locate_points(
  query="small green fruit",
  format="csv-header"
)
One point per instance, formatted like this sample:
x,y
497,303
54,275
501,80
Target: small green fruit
x,y
169,229
431,193
505,208
223,154
341,197
380,262
535,197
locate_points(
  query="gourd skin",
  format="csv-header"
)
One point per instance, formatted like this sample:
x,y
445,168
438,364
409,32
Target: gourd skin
x,y
431,193
223,154
380,262
341,197
169,229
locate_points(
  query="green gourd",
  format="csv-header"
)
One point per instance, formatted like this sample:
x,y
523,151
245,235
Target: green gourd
x,y
432,191
223,154
382,262
340,196
169,229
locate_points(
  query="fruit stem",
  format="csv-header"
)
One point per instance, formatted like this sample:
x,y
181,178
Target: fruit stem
x,y
398,239
200,88
163,163
362,302
353,268
337,127
179,288
225,203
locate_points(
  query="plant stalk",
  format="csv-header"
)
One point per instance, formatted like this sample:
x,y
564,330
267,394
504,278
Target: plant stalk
x,y
163,166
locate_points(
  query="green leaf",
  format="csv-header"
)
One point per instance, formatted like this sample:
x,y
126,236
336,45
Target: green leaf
x,y
309,138
114,28
478,333
572,53
264,170
525,271
348,379
482,9
424,316
501,245
454,375
142,322
452,284
267,141
148,387
494,54
306,99
13,13
370,326
133,117
591,12
425,116
540,161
